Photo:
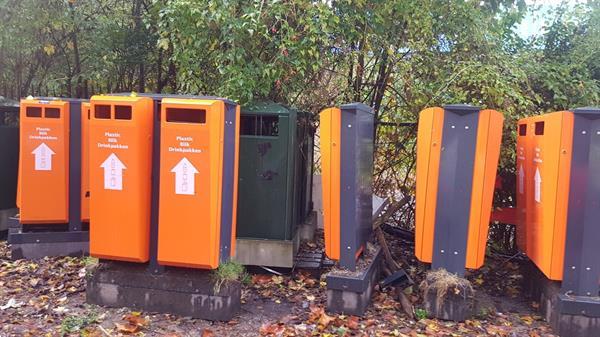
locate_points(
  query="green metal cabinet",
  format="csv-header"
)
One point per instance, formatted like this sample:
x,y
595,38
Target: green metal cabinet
x,y
9,155
275,171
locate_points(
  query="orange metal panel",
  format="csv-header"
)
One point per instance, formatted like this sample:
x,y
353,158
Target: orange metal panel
x,y
487,153
547,165
429,140
120,177
562,198
85,165
330,128
191,185
43,192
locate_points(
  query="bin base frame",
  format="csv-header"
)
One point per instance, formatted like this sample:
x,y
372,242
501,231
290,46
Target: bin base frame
x,y
179,291
46,241
350,294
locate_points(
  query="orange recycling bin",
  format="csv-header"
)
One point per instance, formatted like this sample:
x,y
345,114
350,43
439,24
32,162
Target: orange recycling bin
x,y
120,142
47,166
544,155
347,171
198,181
458,147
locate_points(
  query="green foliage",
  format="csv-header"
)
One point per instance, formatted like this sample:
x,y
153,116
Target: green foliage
x,y
398,56
420,314
72,324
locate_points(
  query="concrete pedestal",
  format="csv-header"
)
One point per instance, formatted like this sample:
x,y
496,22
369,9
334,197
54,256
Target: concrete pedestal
x,y
448,296
350,294
569,316
179,291
275,253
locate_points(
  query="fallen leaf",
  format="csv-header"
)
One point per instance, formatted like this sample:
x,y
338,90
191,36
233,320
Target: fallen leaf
x,y
261,279
127,327
136,319
271,329
207,333
325,320
352,323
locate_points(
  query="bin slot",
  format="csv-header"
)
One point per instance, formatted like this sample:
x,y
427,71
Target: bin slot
x,y
539,128
181,115
123,112
102,111
269,126
248,125
33,111
523,130
52,113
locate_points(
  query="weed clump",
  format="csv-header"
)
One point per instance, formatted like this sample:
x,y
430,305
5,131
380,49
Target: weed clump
x,y
228,272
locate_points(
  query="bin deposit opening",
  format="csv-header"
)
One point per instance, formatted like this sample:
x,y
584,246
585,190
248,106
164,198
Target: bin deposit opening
x,y
182,115
102,112
33,111
123,112
539,128
52,113
266,125
523,130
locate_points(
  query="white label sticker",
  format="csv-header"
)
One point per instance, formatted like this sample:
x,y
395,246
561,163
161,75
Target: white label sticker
x,y
185,174
113,173
537,179
43,157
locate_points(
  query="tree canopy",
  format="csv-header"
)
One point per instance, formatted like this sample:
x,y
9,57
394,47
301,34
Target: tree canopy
x,y
398,56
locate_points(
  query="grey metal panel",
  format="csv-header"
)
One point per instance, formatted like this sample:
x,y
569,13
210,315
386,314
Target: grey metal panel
x,y
292,174
153,264
364,178
228,182
75,165
581,263
356,158
459,139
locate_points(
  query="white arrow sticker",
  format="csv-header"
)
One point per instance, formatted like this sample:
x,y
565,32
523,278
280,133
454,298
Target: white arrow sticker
x,y
521,179
537,179
113,173
43,157
185,177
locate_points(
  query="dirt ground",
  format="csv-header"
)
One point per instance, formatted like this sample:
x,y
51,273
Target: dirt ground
x,y
46,298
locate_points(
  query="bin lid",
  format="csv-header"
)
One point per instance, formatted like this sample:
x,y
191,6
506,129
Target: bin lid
x,y
266,107
155,96
357,107
588,110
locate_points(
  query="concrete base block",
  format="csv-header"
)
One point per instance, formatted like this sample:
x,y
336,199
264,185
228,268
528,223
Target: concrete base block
x,y
350,294
178,291
270,253
447,296
569,316
451,307
275,253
